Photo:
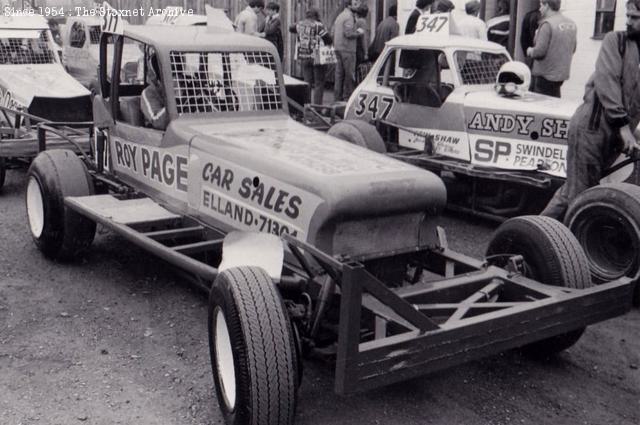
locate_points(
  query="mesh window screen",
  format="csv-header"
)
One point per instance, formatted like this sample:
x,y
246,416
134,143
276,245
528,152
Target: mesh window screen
x,y
225,81
479,67
94,34
26,50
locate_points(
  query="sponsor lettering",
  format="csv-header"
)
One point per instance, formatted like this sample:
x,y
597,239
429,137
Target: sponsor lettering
x,y
265,206
491,151
519,124
156,165
521,155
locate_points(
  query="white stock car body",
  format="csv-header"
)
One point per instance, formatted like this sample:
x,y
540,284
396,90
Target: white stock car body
x,y
81,53
474,129
31,76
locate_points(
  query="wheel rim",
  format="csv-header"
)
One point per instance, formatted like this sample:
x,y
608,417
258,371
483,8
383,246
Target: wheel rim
x,y
609,239
224,360
35,207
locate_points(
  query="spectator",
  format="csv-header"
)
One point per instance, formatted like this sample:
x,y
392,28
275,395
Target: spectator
x,y
442,6
361,22
421,7
387,30
471,25
529,28
152,98
272,28
555,43
262,19
409,61
247,20
309,33
498,27
602,127
345,41
54,26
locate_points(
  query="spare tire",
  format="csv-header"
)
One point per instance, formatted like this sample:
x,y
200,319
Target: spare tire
x,y
552,255
606,221
359,133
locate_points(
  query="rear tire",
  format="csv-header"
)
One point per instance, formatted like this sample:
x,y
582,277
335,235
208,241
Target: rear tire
x,y
606,221
59,232
552,256
253,355
359,133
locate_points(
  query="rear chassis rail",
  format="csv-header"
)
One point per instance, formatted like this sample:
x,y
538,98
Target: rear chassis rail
x,y
23,135
455,308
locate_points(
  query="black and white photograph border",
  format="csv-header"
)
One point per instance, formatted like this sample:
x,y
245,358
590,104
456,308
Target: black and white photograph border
x,y
119,305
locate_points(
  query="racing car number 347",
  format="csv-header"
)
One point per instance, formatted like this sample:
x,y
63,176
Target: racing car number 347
x,y
377,106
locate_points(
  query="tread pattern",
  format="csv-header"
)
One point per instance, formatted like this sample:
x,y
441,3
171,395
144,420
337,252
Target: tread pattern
x,y
566,258
268,343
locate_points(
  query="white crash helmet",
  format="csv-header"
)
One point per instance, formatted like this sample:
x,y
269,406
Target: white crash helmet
x,y
513,79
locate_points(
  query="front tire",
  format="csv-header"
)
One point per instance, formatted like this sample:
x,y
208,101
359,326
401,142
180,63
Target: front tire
x,y
253,356
553,256
59,232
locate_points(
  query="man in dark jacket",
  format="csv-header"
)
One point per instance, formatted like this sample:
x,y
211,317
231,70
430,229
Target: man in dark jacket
x,y
387,30
528,34
602,127
272,28
421,7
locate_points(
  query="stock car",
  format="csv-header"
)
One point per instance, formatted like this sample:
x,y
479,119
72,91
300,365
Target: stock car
x,y
302,240
80,53
461,107
34,87
493,145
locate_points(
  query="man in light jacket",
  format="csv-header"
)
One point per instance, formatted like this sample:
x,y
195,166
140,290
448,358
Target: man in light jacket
x,y
555,43
345,39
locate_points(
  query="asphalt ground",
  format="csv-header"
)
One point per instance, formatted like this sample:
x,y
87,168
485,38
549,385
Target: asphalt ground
x,y
118,338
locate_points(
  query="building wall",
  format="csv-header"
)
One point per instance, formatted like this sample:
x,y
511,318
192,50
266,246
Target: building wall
x,y
583,13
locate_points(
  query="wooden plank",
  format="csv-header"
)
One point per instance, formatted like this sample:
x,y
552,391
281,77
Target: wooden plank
x,y
408,355
129,212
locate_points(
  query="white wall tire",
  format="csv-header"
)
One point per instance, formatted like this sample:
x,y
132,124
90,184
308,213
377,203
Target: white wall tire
x,y
247,313
59,232
224,359
35,207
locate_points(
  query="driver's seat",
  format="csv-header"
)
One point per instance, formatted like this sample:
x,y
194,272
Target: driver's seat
x,y
422,94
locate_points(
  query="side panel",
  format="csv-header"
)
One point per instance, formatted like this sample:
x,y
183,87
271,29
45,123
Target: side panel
x,y
224,192
136,156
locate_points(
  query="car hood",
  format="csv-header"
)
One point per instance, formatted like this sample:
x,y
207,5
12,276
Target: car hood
x,y
19,84
352,179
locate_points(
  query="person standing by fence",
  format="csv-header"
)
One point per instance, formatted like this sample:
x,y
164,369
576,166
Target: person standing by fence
x,y
346,35
309,32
